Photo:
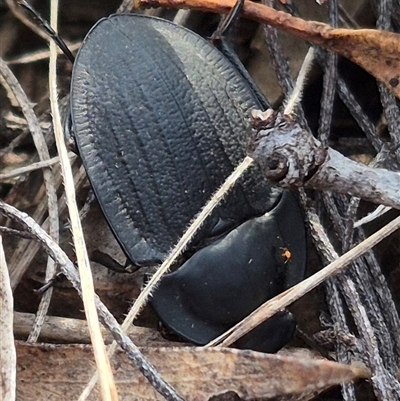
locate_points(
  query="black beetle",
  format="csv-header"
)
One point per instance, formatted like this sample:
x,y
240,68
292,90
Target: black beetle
x,y
160,116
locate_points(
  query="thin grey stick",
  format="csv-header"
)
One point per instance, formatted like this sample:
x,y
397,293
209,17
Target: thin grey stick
x,y
388,100
34,166
384,384
334,300
49,182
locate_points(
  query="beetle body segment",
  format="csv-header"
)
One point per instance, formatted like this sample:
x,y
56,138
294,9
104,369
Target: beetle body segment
x,y
224,282
160,118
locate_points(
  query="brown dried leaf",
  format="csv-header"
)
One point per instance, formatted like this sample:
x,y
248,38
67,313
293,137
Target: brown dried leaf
x,y
60,372
378,52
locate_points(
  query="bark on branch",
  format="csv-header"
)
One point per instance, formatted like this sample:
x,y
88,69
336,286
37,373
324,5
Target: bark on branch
x,y
292,157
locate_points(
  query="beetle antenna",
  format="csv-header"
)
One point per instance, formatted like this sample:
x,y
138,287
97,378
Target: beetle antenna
x,y
48,29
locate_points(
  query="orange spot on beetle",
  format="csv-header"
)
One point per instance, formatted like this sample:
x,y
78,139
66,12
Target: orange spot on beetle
x,y
286,254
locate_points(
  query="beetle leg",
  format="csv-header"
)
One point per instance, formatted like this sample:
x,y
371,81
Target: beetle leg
x,y
83,212
106,260
48,30
58,277
69,135
218,41
227,22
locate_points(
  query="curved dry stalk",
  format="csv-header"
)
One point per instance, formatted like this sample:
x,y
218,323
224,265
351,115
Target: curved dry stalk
x,y
40,55
107,384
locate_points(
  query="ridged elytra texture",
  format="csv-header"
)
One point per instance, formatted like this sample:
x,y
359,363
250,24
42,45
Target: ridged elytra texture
x,y
160,119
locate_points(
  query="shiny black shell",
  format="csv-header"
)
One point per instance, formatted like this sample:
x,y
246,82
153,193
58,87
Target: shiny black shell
x,y
224,282
160,119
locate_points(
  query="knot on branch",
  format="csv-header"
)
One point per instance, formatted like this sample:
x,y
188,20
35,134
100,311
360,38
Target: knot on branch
x,y
286,153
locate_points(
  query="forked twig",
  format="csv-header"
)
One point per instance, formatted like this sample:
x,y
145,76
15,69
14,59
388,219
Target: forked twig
x,y
291,157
